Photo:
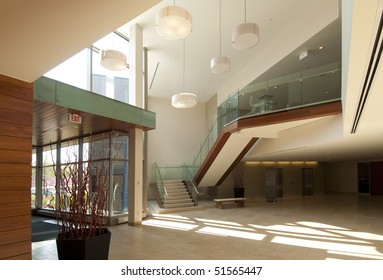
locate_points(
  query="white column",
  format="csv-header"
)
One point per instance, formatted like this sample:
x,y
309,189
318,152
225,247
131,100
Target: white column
x,y
135,177
136,66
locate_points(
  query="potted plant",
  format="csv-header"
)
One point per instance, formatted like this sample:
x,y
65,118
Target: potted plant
x,y
83,207
238,181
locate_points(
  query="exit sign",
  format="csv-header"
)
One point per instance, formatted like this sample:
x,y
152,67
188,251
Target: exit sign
x,y
74,118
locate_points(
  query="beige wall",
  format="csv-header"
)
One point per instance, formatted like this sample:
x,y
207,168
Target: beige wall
x,y
342,177
292,180
178,134
211,112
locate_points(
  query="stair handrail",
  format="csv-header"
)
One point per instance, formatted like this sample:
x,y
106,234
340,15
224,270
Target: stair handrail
x,y
159,182
213,128
193,190
234,110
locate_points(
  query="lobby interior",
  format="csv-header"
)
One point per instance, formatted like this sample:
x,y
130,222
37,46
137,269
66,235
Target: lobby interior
x,y
340,221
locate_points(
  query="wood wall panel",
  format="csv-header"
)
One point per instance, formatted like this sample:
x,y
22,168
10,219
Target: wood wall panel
x,y
15,250
16,114
9,210
15,156
15,130
14,183
15,169
14,197
17,144
15,223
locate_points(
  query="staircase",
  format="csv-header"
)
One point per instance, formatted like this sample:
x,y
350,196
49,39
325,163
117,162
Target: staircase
x,y
177,195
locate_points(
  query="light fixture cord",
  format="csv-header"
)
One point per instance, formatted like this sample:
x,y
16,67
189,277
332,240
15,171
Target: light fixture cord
x,y
183,78
245,10
220,28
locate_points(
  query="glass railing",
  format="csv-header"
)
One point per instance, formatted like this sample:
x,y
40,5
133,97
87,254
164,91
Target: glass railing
x,y
188,175
307,88
157,179
182,173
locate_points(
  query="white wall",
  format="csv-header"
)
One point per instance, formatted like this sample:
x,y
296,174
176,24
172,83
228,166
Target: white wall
x,y
178,134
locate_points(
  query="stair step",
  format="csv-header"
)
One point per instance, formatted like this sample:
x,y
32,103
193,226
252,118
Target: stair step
x,y
177,200
176,192
178,205
179,209
175,188
172,182
175,197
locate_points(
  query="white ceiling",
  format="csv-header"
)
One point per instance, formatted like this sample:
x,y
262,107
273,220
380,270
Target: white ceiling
x,y
38,35
279,22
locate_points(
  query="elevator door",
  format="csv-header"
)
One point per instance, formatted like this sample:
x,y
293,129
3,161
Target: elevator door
x,y
376,178
307,181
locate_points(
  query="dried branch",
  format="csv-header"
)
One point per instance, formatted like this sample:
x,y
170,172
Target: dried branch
x,y
83,195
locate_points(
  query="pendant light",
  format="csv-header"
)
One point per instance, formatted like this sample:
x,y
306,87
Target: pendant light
x,y
173,23
184,99
245,35
220,64
113,60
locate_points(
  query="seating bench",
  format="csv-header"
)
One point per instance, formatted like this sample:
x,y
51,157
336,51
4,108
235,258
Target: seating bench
x,y
239,200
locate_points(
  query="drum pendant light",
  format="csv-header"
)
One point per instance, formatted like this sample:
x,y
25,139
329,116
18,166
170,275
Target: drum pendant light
x,y
184,99
245,35
174,23
220,64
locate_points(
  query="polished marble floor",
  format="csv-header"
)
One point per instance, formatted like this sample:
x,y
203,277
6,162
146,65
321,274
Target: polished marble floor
x,y
306,228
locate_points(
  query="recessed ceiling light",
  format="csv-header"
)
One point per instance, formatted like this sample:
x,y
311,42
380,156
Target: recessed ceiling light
x,y
321,47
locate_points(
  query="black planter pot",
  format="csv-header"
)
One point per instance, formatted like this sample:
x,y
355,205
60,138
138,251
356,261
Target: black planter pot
x,y
95,248
239,192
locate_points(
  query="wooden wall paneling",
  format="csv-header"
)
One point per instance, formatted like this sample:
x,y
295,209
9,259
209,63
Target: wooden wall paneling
x,y
16,116
14,143
16,250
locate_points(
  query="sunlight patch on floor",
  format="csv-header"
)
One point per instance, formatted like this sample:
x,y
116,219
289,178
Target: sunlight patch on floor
x,y
319,237
230,227
363,256
170,216
329,246
232,233
173,219
218,222
361,235
170,224
320,225
294,229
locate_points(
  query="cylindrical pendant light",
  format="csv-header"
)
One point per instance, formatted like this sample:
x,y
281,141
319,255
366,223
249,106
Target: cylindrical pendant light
x,y
219,64
184,99
174,23
245,35
113,60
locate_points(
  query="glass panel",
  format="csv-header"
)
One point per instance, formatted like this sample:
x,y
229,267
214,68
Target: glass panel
x,y
49,155
119,190
69,152
75,71
120,148
321,87
96,147
112,84
33,188
49,190
34,157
